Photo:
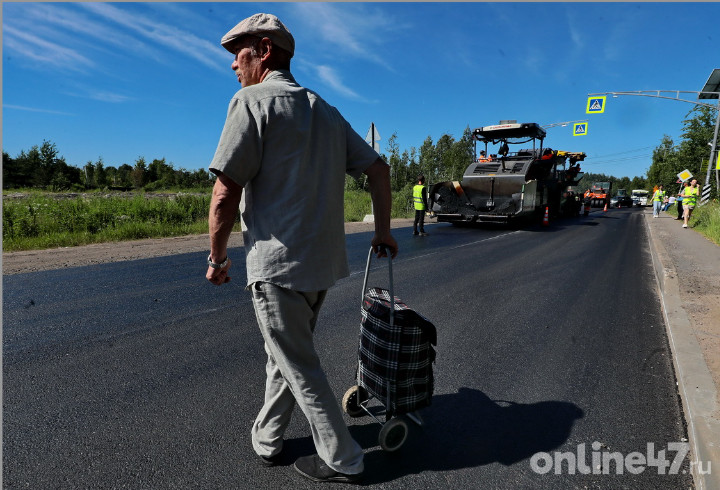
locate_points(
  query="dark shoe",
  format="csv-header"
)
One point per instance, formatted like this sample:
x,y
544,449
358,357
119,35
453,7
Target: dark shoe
x,y
314,468
415,233
269,461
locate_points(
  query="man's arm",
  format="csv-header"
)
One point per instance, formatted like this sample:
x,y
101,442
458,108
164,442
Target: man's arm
x,y
223,211
379,181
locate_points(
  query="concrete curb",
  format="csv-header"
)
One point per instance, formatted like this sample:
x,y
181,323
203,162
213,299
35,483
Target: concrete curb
x,y
695,384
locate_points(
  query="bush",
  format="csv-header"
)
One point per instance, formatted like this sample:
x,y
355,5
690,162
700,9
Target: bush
x,y
707,221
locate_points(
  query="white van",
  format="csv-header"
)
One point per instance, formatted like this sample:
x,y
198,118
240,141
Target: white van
x,y
640,197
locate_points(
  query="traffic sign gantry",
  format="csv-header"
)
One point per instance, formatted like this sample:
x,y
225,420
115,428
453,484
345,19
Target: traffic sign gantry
x,y
596,105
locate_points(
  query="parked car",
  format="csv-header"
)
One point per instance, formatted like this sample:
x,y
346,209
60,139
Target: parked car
x,y
623,201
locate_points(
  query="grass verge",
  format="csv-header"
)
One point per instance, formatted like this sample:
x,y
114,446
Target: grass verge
x,y
43,220
707,221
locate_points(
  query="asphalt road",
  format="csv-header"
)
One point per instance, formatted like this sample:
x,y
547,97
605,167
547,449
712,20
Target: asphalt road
x,y
551,340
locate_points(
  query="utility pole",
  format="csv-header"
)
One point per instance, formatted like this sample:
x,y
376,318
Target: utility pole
x,y
710,91
372,138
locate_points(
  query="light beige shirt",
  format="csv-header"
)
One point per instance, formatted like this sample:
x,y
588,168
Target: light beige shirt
x,y
291,150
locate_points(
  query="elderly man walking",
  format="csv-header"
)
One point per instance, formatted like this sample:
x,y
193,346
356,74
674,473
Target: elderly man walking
x,y
288,151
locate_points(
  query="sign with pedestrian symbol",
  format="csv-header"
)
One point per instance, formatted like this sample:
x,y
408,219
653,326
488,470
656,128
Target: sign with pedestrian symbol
x,y
580,129
596,105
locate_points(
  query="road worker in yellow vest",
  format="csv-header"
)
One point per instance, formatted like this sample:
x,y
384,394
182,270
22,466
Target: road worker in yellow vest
x,y
420,201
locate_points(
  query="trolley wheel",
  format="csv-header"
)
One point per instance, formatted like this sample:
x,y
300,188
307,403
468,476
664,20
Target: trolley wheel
x,y
393,434
352,400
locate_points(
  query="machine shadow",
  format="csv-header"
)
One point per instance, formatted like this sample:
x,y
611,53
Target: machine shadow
x,y
468,429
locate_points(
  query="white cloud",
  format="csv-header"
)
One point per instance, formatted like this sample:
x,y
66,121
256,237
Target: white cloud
x,y
332,79
77,22
353,29
46,53
108,96
534,60
168,36
35,109
576,30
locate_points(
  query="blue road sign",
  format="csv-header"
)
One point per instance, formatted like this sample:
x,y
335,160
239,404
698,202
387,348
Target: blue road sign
x,y
580,129
596,105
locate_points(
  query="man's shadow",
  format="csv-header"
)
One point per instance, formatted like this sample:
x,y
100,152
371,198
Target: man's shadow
x,y
461,430
468,429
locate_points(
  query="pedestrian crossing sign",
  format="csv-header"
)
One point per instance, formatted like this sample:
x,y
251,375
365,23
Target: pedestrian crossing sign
x,y
596,105
580,129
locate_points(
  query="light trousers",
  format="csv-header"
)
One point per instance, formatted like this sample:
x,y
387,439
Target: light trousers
x,y
294,375
657,206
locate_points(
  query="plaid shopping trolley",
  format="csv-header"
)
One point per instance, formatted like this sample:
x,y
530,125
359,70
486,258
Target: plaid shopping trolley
x,y
395,359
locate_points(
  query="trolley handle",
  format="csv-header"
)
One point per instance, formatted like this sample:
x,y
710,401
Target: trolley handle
x,y
391,289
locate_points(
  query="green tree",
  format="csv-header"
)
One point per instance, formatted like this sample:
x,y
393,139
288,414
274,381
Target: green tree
x,y
665,165
413,167
461,155
398,173
670,159
160,174
639,183
89,175
123,177
444,154
428,161
16,172
139,177
101,178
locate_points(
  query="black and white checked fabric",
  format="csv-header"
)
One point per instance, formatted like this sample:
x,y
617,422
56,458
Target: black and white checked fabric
x,y
395,363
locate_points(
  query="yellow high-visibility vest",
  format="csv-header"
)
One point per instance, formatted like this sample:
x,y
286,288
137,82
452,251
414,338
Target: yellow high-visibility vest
x,y
417,197
690,196
659,196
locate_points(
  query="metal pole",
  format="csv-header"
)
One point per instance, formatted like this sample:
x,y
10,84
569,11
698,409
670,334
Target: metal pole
x,y
372,137
713,150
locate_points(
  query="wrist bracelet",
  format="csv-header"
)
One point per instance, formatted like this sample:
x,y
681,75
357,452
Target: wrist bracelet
x,y
214,265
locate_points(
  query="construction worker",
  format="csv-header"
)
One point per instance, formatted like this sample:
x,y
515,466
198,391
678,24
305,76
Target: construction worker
x,y
482,157
420,201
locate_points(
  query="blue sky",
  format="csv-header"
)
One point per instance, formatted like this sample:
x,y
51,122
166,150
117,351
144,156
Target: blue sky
x,y
122,80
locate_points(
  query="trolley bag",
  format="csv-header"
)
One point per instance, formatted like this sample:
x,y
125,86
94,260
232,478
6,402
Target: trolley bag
x,y
396,350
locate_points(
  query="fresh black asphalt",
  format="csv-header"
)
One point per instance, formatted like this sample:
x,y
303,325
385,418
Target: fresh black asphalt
x,y
143,375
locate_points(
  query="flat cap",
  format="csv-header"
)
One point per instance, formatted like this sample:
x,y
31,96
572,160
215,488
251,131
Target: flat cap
x,y
262,25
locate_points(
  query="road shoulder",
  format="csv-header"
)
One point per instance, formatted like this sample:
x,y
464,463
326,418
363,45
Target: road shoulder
x,y
102,253
687,268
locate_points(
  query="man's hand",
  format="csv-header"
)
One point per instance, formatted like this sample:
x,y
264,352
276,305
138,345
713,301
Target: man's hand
x,y
223,211
389,243
219,276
